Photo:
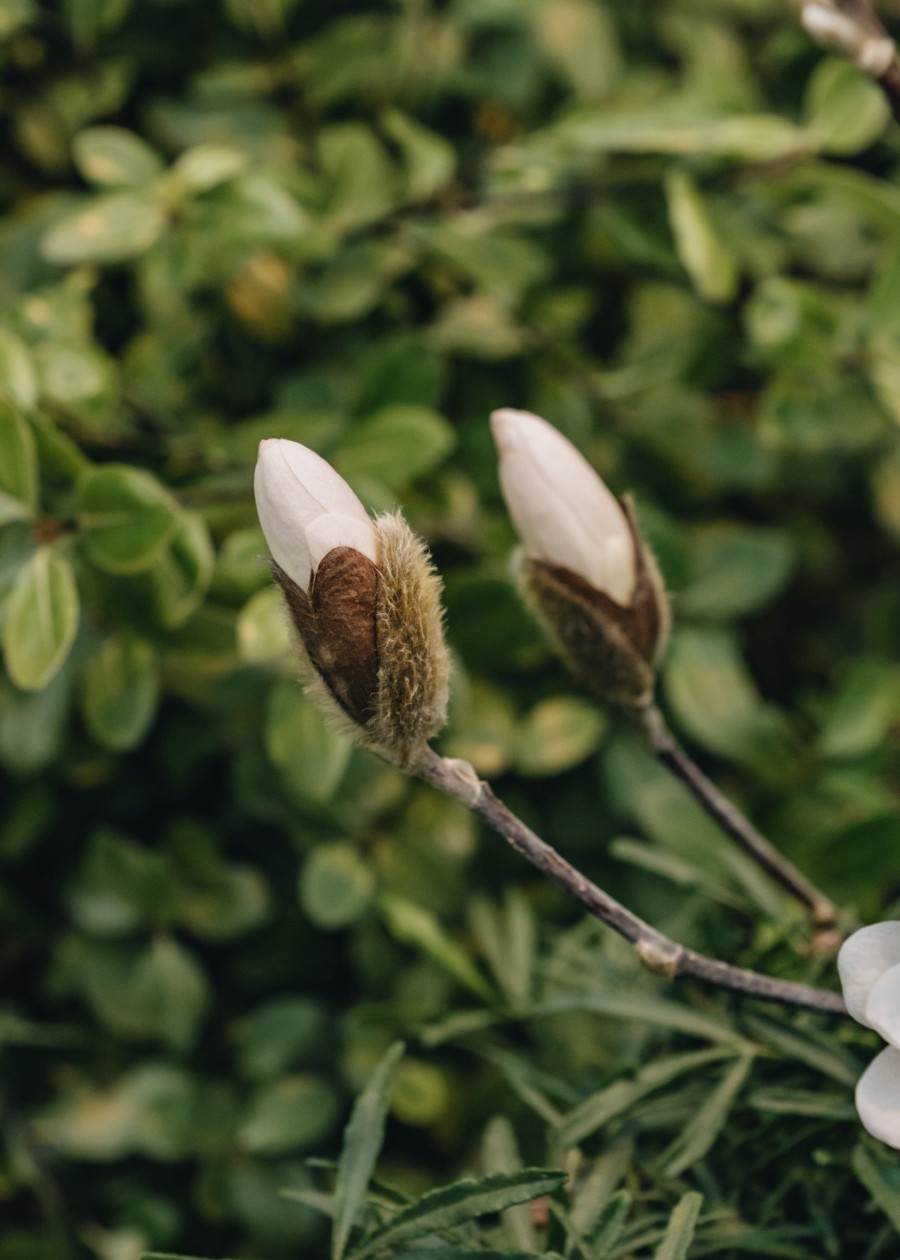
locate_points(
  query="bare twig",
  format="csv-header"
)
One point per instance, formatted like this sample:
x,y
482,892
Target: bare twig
x,y
853,29
669,752
657,951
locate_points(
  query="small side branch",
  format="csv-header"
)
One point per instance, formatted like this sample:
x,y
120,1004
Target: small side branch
x,y
853,29
669,752
658,952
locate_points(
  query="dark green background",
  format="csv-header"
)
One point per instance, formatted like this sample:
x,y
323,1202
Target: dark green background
x,y
672,228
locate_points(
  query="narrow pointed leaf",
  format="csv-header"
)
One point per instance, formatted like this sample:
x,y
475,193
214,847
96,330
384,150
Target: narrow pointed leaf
x,y
363,1137
680,1232
599,1108
459,1203
701,1131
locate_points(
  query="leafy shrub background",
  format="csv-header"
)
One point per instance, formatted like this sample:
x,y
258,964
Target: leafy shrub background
x,y
672,228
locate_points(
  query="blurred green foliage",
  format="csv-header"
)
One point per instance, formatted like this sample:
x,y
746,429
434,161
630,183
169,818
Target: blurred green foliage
x,y
672,228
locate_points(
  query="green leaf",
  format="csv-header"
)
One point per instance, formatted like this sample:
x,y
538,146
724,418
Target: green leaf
x,y
414,925
41,620
295,1113
470,1253
280,1036
463,1201
109,229
680,1230
556,735
363,1137
714,698
263,633
125,516
702,1130
613,1100
115,158
18,378
172,990
336,885
736,571
846,112
312,759
120,693
430,160
862,711
705,256
879,1174
207,166
18,466
15,14
182,573
33,724
396,445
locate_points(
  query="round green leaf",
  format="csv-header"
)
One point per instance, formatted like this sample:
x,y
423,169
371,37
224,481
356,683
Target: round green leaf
x,y
311,757
115,158
108,229
126,518
41,620
262,628
181,576
121,690
396,445
206,166
336,885
296,1113
558,734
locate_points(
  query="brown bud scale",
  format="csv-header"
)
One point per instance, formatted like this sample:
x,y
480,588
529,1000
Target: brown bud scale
x,y
372,639
336,624
611,648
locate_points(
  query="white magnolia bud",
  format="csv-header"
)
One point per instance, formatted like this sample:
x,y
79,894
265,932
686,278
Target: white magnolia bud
x,y
562,511
584,570
306,509
364,599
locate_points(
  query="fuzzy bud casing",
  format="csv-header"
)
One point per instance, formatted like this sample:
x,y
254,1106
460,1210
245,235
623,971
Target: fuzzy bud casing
x,y
584,569
368,616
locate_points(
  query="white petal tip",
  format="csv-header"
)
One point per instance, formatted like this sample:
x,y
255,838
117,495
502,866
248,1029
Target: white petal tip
x,y
878,1098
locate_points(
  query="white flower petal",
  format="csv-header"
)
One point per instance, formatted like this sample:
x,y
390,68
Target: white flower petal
x,y
335,530
562,511
878,1097
883,1006
863,959
293,487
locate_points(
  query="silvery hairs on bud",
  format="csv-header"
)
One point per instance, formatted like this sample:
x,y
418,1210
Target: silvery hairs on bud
x,y
583,567
364,599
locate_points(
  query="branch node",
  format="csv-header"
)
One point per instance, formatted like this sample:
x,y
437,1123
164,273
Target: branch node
x,y
662,957
466,775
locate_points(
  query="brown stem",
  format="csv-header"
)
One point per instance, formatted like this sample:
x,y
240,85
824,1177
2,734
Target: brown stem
x,y
657,951
669,752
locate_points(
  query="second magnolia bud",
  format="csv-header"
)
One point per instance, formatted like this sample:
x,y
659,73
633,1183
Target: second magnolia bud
x,y
584,568
364,599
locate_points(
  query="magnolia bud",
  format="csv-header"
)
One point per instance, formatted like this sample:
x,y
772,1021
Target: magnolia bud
x,y
584,569
363,597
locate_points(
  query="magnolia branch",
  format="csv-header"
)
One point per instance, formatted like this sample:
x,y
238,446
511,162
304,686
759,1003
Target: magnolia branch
x,y
853,29
669,752
658,952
